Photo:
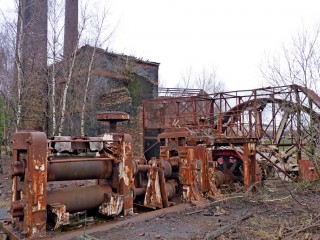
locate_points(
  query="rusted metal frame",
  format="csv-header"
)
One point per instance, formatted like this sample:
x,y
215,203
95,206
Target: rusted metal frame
x,y
201,108
126,174
211,109
246,167
250,123
78,141
35,214
162,181
291,123
256,114
298,141
239,98
204,183
248,100
282,126
283,123
153,196
177,110
164,113
208,114
184,110
250,165
227,105
81,159
220,118
242,123
272,121
187,111
274,140
254,171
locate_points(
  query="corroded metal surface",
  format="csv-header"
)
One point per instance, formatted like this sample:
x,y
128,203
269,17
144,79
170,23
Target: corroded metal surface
x,y
58,215
80,198
31,148
112,205
36,161
108,116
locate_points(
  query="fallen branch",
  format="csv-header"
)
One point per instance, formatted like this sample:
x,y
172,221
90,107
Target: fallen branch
x,y
272,200
304,228
222,200
190,213
222,230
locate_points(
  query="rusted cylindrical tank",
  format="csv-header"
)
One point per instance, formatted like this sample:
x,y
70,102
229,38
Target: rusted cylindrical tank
x,y
80,170
79,199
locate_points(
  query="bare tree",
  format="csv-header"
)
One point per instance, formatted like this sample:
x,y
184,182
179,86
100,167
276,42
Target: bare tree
x,y
98,22
205,80
71,65
298,63
54,53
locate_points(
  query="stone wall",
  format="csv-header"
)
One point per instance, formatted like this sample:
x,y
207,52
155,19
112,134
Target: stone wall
x,y
119,83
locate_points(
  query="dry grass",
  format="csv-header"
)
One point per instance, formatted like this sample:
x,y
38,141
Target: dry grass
x,y
4,204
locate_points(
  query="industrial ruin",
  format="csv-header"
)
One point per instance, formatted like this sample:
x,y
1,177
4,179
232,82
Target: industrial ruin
x,y
150,147
208,143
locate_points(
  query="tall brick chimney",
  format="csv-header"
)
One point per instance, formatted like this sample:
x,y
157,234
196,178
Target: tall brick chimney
x,y
34,15
70,27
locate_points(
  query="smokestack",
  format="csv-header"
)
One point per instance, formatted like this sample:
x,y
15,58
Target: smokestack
x,y
33,15
70,27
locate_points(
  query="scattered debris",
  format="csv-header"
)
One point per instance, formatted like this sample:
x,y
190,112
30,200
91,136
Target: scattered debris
x,y
222,230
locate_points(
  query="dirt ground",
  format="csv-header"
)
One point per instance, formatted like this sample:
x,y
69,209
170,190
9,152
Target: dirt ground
x,y
274,214
276,211
5,186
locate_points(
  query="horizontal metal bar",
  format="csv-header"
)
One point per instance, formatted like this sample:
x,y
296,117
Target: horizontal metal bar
x,y
81,159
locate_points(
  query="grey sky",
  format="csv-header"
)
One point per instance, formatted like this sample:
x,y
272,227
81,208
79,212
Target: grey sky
x,y
232,36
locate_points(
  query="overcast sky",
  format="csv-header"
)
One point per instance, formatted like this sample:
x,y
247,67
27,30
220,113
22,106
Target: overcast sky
x,y
231,35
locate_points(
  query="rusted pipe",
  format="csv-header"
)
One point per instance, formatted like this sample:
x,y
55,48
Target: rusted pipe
x,y
18,168
167,168
139,168
171,188
79,170
174,161
79,199
143,168
17,209
139,191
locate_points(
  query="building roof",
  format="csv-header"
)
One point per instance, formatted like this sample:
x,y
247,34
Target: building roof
x,y
121,55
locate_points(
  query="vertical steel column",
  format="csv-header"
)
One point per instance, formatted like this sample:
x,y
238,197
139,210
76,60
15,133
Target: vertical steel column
x,y
126,174
34,185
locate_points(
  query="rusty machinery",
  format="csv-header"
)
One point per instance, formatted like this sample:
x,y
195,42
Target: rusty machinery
x,y
200,136
38,161
185,169
272,125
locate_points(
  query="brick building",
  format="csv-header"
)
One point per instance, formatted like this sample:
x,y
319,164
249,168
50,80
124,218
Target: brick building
x,y
118,83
